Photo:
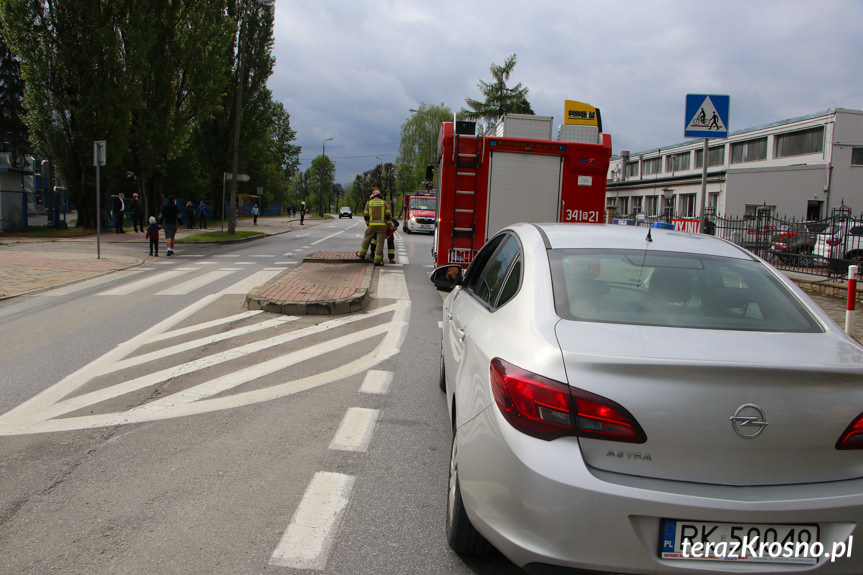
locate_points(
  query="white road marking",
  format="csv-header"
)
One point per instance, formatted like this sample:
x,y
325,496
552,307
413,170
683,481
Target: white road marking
x,y
356,430
391,284
206,325
316,242
195,283
146,282
38,414
97,281
377,382
307,541
253,281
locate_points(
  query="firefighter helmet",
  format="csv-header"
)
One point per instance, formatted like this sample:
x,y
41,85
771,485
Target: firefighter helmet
x,y
375,194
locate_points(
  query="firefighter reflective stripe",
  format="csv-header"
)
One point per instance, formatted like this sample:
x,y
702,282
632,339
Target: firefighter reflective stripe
x,y
376,212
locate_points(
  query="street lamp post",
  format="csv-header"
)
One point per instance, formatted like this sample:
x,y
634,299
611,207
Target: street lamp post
x,y
324,154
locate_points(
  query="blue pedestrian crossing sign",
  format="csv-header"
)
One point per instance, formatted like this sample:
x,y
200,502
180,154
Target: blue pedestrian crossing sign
x,y
706,116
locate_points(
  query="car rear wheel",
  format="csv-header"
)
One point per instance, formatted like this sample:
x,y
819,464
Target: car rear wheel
x,y
442,376
460,533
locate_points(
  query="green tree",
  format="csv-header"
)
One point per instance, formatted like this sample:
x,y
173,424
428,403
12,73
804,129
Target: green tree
x,y
179,67
418,146
151,78
286,154
500,99
321,173
13,130
77,86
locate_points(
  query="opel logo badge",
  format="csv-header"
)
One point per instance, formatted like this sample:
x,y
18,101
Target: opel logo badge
x,y
748,421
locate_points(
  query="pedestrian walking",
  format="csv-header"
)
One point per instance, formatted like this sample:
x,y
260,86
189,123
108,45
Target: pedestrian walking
x,y
202,215
137,213
255,212
171,218
153,236
377,216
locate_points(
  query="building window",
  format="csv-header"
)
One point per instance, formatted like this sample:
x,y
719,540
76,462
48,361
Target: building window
x,y
799,143
677,162
622,206
749,151
687,205
857,156
651,166
650,205
632,169
715,157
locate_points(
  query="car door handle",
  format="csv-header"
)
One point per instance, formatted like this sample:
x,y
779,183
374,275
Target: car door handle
x,y
461,334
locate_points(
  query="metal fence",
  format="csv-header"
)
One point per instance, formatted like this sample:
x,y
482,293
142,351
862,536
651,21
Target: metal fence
x,y
22,210
823,247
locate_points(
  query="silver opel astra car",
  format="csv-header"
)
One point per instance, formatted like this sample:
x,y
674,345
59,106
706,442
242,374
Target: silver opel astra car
x,y
628,400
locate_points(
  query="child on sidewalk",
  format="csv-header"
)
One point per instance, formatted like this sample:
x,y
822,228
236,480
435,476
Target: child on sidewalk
x,y
153,236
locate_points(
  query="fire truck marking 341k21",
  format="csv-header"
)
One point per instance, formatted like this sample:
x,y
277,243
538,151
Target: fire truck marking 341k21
x,y
520,174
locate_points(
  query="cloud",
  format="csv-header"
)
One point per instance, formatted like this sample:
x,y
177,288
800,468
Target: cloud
x,y
350,70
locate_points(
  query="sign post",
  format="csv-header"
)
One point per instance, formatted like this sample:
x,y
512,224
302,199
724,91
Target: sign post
x,y
706,117
99,158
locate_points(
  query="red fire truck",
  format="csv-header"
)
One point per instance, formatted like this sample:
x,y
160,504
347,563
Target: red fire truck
x,y
486,183
420,212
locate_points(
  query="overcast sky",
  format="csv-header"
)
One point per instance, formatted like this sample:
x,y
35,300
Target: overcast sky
x,y
351,69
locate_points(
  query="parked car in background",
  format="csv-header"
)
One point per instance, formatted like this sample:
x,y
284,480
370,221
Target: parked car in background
x,y
843,241
345,212
618,395
791,241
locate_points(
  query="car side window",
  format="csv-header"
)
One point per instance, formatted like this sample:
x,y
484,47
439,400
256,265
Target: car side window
x,y
495,273
477,267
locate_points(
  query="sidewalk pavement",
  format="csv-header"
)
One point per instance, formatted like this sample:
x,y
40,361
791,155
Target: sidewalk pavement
x,y
324,283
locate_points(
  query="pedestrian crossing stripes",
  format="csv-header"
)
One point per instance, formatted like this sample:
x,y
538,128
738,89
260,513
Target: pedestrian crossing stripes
x,y
169,277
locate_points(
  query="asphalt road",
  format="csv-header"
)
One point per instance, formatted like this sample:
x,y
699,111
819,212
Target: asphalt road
x,y
151,424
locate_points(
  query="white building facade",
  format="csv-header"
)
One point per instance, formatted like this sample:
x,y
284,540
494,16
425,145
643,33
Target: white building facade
x,y
800,168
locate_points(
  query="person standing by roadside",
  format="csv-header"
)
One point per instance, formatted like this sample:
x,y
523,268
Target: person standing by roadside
x,y
119,212
171,219
255,213
377,217
202,215
137,213
190,215
302,213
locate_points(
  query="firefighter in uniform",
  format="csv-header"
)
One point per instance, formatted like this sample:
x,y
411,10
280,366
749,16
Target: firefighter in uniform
x,y
377,216
391,241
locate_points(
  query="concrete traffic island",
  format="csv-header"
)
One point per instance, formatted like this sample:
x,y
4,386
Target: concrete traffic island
x,y
325,283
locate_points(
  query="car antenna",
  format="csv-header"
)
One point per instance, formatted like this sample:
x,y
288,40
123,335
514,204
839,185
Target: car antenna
x,y
648,238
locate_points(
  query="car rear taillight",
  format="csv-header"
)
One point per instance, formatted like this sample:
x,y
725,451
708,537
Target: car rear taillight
x,y
852,437
547,409
832,241
787,234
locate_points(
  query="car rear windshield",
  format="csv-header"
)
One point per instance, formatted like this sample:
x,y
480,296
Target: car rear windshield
x,y
674,290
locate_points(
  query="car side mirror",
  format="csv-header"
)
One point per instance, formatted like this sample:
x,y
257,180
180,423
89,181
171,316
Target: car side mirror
x,y
447,277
